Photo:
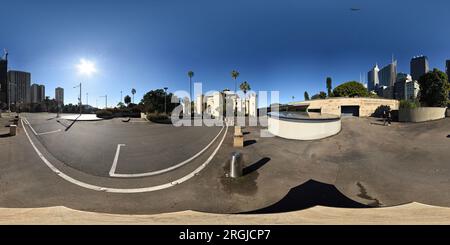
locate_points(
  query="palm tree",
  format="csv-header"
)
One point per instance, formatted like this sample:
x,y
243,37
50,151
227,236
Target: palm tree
x,y
235,75
245,86
329,86
190,74
133,91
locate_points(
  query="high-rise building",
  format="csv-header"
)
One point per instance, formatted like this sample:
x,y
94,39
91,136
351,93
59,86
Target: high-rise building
x,y
3,80
59,95
373,80
412,90
37,93
19,84
400,86
388,75
419,67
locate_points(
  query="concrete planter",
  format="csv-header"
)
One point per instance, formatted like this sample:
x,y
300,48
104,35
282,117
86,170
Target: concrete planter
x,y
448,112
421,114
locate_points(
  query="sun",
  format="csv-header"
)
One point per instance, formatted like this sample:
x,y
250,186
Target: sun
x,y
86,67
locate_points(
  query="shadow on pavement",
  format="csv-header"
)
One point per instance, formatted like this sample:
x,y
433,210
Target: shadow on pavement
x,y
448,136
255,166
249,142
5,135
310,194
70,125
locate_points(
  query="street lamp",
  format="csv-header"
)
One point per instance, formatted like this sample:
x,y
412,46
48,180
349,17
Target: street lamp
x,y
106,100
165,97
79,99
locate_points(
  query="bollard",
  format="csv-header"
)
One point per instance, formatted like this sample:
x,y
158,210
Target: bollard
x,y
237,130
12,130
236,165
238,141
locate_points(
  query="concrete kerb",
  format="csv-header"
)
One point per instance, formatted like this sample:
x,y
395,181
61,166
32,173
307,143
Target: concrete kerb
x,y
412,213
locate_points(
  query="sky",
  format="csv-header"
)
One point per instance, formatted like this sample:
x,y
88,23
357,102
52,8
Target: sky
x,y
289,46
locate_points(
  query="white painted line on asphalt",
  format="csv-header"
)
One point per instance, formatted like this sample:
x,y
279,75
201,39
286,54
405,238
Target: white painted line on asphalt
x,y
116,158
34,131
124,190
51,132
114,174
29,124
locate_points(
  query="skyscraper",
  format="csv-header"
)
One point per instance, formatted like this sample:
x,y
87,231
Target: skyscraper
x,y
388,75
419,67
373,80
3,80
37,93
19,83
59,95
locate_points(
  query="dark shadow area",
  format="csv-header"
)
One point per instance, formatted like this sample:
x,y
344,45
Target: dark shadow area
x,y
310,194
255,166
5,135
48,119
249,142
73,122
245,133
448,136
70,125
126,120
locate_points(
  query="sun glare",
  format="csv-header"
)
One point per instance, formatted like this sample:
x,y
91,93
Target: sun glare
x,y
86,67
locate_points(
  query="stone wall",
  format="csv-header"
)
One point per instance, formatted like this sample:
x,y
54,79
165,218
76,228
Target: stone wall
x,y
367,106
421,114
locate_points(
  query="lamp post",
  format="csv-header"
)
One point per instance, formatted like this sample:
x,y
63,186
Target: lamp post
x,y
106,100
79,99
165,98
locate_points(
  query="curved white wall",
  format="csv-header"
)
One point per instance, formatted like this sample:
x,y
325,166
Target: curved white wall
x,y
303,129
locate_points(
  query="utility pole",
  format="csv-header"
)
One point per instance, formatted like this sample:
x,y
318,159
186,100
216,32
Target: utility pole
x,y
165,98
106,100
79,99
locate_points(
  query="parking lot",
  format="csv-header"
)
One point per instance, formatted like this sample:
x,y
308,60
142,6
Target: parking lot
x,y
141,167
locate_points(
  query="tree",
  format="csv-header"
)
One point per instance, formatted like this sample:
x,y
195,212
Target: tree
x,y
329,87
133,91
235,75
321,95
190,75
306,95
127,99
121,105
350,89
153,101
245,86
434,89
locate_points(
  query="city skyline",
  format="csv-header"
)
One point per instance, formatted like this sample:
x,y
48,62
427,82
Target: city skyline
x,y
145,52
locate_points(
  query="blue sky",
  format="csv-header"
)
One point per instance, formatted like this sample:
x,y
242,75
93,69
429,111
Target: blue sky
x,y
289,45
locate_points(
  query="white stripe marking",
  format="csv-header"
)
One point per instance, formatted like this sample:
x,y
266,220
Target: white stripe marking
x,y
51,132
113,173
116,158
34,131
130,190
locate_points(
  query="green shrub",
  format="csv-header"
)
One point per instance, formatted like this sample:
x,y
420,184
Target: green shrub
x,y
406,104
105,113
159,118
350,89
